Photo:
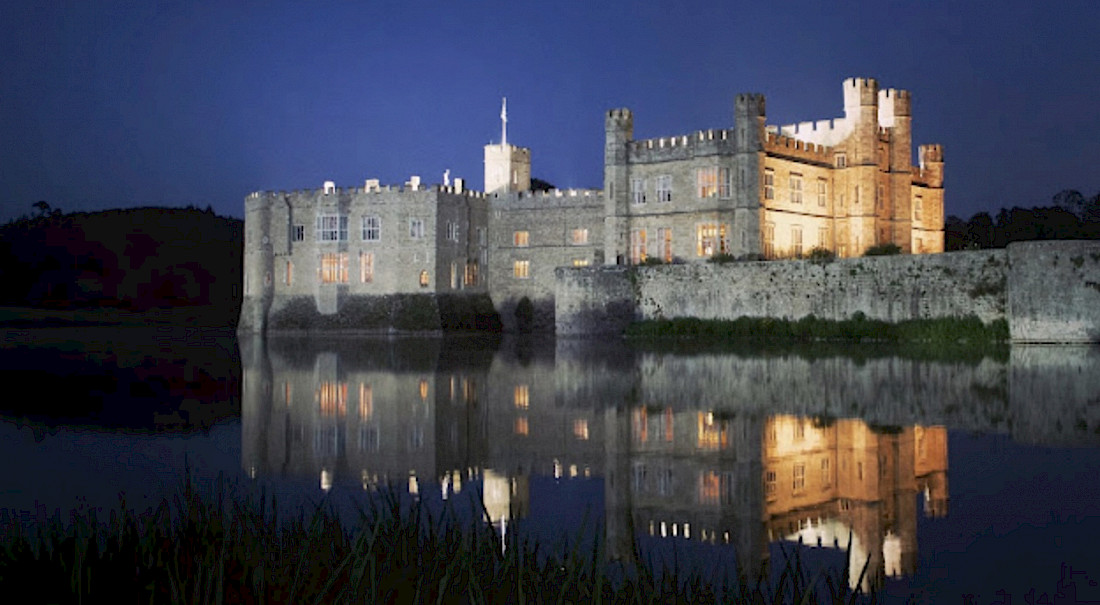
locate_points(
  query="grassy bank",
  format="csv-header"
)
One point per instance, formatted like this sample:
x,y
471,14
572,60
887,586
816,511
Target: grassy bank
x,y
942,331
228,548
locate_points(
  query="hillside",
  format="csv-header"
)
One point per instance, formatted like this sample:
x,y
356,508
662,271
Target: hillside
x,y
133,259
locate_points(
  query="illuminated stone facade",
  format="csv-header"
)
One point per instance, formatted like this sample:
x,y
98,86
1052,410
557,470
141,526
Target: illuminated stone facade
x,y
750,191
754,190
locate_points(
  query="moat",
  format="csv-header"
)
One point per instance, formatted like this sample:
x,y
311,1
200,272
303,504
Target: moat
x,y
957,474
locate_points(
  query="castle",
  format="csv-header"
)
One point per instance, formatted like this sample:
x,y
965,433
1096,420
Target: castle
x,y
753,191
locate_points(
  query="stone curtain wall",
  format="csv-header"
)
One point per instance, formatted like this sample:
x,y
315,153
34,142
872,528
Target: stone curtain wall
x,y
1048,291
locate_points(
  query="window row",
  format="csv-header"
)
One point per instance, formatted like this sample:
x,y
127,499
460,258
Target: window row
x,y
712,181
795,188
522,238
797,247
333,269
334,228
710,239
521,269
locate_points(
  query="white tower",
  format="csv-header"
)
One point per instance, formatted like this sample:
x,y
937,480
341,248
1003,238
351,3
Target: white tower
x,y
507,167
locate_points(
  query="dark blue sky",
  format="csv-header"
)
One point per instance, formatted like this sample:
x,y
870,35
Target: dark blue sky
x,y
119,103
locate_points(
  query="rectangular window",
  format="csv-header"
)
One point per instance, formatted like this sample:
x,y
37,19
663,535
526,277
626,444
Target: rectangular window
x,y
769,240
521,239
664,188
826,473
799,482
841,160
289,272
710,239
580,262
521,396
664,244
796,241
580,237
366,267
823,237
416,228
769,184
298,233
521,426
580,428
637,246
332,228
880,197
821,192
334,268
918,204
637,191
471,273
372,228
769,484
452,231
712,181
521,269
482,240
796,188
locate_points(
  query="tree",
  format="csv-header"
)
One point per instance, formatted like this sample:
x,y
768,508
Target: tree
x,y
979,231
541,185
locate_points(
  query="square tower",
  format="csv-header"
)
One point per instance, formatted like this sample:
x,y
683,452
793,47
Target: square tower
x,y
507,167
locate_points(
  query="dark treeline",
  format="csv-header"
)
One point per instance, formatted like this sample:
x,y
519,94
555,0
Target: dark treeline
x,y
135,259
1069,216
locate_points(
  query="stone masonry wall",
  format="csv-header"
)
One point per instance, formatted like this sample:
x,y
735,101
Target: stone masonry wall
x,y
1043,299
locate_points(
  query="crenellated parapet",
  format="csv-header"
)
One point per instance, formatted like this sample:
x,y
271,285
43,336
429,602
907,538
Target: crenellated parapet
x,y
682,147
792,148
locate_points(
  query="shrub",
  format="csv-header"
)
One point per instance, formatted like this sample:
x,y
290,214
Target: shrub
x,y
722,257
883,250
821,255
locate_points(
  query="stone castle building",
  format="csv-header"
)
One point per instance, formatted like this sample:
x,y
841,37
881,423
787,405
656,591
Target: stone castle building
x,y
752,191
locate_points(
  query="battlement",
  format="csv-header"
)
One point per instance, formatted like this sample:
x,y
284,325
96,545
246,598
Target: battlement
x,y
372,186
749,104
559,198
620,114
930,153
821,132
790,147
699,143
893,103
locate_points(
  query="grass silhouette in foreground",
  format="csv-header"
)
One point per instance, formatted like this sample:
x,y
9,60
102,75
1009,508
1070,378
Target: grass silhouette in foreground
x,y
229,548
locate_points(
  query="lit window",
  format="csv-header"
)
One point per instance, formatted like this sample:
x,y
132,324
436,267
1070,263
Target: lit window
x,y
769,240
521,426
471,273
712,434
580,429
637,191
637,246
664,188
796,188
521,269
372,228
289,272
424,279
334,268
521,396
664,244
710,239
769,184
580,262
521,239
796,241
769,484
366,267
826,473
823,237
423,388
712,181
298,233
416,228
709,487
841,160
799,481
580,237
332,228
821,192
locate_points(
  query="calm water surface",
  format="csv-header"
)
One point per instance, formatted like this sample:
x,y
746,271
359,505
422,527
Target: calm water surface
x,y
954,476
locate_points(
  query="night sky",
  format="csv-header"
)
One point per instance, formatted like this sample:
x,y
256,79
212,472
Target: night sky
x,y
110,103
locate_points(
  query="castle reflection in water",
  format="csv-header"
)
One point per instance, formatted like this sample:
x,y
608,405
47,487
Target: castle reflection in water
x,y
719,449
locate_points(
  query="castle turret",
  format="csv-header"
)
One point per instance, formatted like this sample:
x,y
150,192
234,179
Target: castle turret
x,y
749,116
258,263
894,116
861,109
619,131
507,167
931,164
